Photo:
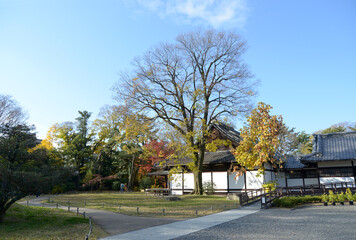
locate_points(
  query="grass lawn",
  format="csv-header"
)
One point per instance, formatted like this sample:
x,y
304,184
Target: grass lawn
x,y
23,222
148,205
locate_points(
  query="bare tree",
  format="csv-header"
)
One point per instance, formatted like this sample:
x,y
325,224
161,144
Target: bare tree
x,y
10,111
189,84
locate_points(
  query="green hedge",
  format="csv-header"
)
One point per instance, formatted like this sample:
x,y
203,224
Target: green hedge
x,y
290,202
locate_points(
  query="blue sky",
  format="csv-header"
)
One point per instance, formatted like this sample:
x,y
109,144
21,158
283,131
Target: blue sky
x,y
61,56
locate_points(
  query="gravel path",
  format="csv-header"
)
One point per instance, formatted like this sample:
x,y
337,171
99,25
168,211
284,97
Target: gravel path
x,y
308,222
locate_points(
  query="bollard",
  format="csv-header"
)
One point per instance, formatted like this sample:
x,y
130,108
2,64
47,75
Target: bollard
x,y
163,213
57,205
119,207
196,212
77,210
137,210
102,205
84,214
68,208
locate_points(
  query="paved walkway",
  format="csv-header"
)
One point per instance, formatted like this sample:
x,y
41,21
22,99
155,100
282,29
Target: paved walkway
x,y
130,227
178,229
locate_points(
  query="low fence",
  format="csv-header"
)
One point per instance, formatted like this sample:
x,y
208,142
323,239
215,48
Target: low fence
x,y
268,197
150,211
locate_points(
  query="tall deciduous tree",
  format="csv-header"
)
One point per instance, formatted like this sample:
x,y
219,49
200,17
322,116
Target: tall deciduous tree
x,y
10,111
199,79
261,140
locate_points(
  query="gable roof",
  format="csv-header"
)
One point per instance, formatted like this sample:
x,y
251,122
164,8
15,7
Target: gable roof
x,y
332,147
209,158
293,162
227,131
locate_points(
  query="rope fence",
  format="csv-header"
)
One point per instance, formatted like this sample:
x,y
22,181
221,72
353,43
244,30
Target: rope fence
x,y
183,211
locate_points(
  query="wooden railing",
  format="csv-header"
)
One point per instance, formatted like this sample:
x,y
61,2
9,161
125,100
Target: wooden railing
x,y
268,197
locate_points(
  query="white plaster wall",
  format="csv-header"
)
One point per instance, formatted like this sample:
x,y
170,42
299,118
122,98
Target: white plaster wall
x,y
326,180
295,182
238,183
281,179
268,176
206,177
335,164
220,180
188,181
311,181
267,165
252,181
176,182
177,192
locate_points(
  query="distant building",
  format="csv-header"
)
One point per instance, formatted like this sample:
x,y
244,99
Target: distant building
x,y
333,160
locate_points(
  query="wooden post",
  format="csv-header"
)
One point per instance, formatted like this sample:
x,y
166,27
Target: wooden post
x,y
211,209
137,210
57,205
196,212
163,213
77,210
68,208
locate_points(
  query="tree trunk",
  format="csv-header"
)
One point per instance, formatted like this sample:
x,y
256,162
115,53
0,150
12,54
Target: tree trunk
x,y
130,184
198,179
2,214
198,189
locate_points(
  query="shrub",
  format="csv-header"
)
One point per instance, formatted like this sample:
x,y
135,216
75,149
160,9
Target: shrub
x,y
325,198
332,196
341,197
146,182
349,195
116,185
293,201
209,187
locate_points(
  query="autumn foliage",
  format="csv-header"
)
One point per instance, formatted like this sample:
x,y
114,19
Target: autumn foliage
x,y
153,153
260,140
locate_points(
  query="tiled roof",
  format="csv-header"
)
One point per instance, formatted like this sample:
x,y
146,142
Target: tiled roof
x,y
227,131
293,162
209,158
332,146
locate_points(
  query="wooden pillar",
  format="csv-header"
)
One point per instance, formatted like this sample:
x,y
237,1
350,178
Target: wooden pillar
x,y
228,181
353,170
183,183
317,170
245,181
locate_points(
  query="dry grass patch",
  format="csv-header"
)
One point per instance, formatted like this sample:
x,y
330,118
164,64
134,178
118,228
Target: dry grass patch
x,y
148,205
